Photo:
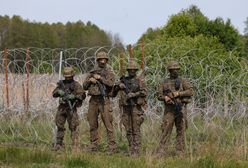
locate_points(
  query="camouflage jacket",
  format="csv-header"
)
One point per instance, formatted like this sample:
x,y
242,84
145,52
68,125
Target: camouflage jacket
x,y
103,86
181,85
71,87
133,85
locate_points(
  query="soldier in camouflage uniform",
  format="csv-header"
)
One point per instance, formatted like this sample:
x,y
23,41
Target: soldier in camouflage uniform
x,y
99,85
176,93
71,96
133,100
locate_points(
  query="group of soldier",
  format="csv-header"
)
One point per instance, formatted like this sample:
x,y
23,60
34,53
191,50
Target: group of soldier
x,y
100,84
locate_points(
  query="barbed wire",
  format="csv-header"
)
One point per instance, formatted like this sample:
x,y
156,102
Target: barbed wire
x,y
220,89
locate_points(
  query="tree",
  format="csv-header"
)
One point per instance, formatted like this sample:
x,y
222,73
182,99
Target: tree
x,y
16,32
191,22
246,27
4,26
245,37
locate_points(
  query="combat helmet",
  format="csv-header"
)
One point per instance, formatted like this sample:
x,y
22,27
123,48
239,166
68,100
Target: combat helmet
x,y
68,72
173,65
132,65
101,55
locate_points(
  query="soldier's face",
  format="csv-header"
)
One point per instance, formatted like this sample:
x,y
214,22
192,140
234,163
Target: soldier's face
x,y
132,72
102,62
174,73
69,78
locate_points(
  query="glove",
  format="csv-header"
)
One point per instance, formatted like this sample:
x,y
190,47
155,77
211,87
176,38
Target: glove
x,y
61,93
96,76
168,100
71,97
122,86
130,95
173,94
92,80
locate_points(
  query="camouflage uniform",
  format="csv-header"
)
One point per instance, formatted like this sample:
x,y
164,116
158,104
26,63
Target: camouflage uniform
x,y
100,104
74,90
176,94
133,114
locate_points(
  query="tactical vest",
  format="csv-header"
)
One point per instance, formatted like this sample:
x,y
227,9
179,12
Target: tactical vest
x,y
133,86
176,85
68,87
99,88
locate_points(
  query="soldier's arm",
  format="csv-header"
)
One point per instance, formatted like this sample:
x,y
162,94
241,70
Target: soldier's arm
x,y
187,89
143,90
87,83
109,80
79,91
55,92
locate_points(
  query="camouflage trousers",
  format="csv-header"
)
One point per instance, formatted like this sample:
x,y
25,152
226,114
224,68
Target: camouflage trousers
x,y
180,120
64,113
132,118
99,106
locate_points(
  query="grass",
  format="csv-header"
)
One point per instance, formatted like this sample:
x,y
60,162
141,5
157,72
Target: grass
x,y
35,157
213,144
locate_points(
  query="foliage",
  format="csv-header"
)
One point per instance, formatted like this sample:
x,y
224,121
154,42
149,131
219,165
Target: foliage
x,y
203,59
18,33
191,22
192,39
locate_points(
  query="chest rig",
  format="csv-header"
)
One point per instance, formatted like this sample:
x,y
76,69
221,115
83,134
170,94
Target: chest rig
x,y
173,85
132,85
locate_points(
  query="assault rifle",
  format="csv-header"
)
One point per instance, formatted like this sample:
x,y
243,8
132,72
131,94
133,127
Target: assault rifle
x,y
178,106
100,85
65,97
124,80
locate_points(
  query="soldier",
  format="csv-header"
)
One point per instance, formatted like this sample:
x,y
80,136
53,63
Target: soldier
x,y
99,85
176,93
71,96
133,100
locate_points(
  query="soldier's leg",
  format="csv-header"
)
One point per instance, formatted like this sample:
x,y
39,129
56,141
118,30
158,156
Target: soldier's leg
x,y
73,121
138,118
180,126
93,122
60,119
107,118
126,118
167,126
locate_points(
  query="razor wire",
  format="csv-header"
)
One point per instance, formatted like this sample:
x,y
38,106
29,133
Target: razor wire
x,y
216,96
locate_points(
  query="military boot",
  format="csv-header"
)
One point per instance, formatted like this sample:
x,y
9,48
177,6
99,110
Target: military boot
x,y
58,147
130,144
180,154
160,152
59,143
135,151
112,149
92,148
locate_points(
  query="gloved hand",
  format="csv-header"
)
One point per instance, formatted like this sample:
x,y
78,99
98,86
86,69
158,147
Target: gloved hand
x,y
71,97
61,93
131,95
122,86
173,94
168,100
97,76
92,80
